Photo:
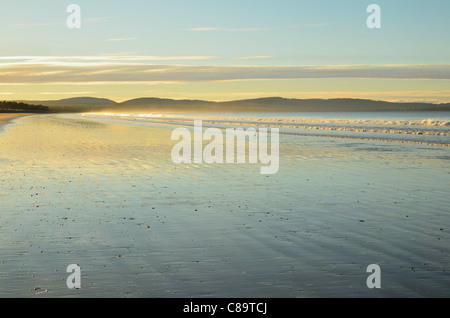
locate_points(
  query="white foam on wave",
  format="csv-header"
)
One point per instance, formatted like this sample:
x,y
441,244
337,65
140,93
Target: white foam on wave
x,y
425,122
428,127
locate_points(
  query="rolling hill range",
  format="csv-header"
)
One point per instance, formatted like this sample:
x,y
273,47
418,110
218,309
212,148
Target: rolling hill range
x,y
271,104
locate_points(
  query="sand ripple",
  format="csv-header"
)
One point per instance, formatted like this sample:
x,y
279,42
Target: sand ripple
x,y
106,195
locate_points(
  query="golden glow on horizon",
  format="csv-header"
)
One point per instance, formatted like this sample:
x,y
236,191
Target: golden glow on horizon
x,y
436,91
121,78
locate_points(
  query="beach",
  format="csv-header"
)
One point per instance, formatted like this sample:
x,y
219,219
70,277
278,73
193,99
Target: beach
x,y
5,117
105,194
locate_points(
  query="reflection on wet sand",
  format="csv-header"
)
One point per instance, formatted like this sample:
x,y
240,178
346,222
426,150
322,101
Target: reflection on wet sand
x,y
106,195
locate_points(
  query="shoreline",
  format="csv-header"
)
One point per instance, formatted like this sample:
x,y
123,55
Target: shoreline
x,y
6,117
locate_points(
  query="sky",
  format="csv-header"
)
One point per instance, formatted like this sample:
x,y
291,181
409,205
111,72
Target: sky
x,y
225,50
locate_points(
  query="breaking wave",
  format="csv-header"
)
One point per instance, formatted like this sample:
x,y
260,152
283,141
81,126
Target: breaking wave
x,y
432,131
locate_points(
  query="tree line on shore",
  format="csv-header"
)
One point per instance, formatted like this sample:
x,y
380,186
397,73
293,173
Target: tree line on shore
x,y
19,107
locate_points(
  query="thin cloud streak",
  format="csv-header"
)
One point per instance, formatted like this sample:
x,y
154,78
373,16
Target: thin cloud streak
x,y
210,29
44,24
65,93
229,29
93,61
121,39
103,72
254,57
96,19
21,25
105,58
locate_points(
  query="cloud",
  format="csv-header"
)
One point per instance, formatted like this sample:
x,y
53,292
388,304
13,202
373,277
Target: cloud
x,y
311,25
254,57
229,29
209,29
65,93
62,24
21,25
92,61
142,69
121,39
96,19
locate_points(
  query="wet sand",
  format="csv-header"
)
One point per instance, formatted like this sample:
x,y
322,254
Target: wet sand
x,y
5,117
106,195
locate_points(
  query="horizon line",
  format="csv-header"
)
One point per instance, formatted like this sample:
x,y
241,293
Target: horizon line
x,y
225,101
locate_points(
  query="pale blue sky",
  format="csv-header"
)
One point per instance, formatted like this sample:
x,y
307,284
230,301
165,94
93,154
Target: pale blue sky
x,y
290,31
231,32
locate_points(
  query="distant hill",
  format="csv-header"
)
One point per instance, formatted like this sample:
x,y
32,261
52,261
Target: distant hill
x,y
162,104
76,104
332,105
271,104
